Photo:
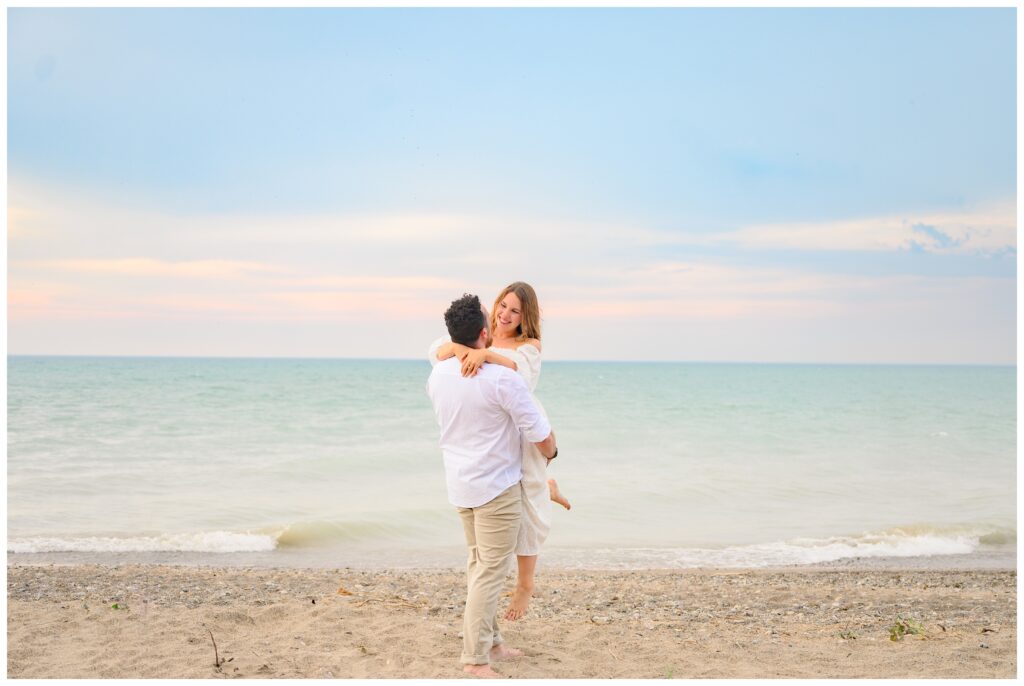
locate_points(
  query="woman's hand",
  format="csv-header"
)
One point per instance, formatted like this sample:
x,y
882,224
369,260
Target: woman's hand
x,y
472,361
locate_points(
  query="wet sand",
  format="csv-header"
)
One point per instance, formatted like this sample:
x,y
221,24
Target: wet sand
x,y
137,620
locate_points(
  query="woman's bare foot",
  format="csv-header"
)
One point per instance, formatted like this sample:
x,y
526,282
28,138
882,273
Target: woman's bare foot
x,y
520,601
556,495
482,671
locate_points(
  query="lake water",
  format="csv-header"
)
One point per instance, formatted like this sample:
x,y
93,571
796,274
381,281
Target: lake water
x,y
335,462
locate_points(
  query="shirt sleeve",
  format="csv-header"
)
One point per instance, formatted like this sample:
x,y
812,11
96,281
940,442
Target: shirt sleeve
x,y
514,395
432,352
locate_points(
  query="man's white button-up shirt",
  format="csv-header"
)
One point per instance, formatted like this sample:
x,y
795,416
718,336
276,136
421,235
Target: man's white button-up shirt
x,y
482,418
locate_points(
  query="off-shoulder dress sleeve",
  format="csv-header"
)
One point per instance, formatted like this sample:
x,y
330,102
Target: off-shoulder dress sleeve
x,y
528,365
432,352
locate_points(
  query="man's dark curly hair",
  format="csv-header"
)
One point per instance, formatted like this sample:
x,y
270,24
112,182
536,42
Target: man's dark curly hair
x,y
465,319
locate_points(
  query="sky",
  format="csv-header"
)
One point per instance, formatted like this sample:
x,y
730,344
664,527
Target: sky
x,y
717,185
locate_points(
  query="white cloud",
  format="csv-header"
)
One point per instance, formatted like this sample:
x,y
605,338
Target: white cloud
x,y
74,259
985,232
145,266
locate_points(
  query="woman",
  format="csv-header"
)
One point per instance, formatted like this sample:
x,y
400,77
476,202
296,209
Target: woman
x,y
515,326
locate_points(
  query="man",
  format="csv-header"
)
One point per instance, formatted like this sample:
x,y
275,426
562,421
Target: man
x,y
482,419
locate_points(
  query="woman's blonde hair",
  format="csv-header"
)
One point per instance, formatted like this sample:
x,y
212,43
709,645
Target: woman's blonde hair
x,y
529,326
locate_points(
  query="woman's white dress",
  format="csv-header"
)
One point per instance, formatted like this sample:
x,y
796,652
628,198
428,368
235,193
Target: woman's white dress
x,y
536,521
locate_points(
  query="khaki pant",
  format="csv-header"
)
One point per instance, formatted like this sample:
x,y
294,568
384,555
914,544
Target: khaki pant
x,y
491,531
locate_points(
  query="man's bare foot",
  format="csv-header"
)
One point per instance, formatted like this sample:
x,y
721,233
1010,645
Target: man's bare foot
x,y
556,495
502,652
482,671
520,601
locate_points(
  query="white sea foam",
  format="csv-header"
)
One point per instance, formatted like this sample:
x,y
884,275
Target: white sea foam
x,y
918,541
812,551
911,541
203,542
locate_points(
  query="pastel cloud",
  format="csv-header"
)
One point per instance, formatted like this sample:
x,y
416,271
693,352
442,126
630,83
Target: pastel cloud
x,y
144,266
987,232
343,284
693,291
405,284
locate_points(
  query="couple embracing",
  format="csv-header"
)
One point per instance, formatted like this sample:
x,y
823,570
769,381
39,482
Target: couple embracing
x,y
496,442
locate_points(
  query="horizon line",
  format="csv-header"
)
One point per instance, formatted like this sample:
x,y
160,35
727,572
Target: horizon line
x,y
559,361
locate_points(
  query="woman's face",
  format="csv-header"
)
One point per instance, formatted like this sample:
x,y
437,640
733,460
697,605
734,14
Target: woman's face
x,y
509,313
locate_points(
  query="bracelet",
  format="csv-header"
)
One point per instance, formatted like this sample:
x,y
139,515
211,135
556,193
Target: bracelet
x,y
555,455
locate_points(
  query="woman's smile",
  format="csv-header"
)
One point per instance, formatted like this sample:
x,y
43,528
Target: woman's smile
x,y
509,315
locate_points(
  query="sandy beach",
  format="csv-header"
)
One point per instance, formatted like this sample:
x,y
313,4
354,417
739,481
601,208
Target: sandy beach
x,y
151,621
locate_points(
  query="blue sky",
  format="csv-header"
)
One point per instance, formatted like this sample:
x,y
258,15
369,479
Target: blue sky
x,y
745,184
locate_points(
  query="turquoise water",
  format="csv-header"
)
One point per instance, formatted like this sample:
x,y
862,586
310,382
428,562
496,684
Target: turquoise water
x,y
666,464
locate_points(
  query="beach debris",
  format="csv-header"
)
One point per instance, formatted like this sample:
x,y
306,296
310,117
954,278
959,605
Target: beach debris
x,y
118,606
988,630
983,645
217,662
905,626
344,591
600,619
848,635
